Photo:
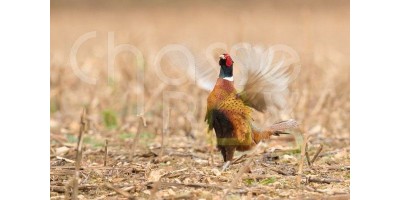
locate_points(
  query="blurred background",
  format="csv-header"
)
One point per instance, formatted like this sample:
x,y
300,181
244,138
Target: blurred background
x,y
319,31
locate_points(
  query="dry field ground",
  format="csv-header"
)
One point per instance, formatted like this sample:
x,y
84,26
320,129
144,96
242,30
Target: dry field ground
x,y
188,165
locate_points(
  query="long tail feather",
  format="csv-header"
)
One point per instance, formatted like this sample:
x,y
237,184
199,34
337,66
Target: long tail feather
x,y
283,125
275,129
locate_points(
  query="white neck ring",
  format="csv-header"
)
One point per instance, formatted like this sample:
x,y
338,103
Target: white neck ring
x,y
229,78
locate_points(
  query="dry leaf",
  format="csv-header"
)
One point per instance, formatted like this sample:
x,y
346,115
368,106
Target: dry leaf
x,y
171,192
61,150
289,157
156,175
66,159
147,192
216,172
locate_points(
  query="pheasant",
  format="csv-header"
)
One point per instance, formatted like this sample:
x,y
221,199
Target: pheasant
x,y
229,112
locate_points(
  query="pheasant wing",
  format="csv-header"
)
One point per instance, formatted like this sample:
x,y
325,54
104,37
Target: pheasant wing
x,y
262,75
265,74
201,67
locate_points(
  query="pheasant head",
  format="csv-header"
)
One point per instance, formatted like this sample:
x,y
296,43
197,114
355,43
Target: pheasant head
x,y
226,63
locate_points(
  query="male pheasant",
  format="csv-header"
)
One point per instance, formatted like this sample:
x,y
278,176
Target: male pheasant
x,y
263,86
229,115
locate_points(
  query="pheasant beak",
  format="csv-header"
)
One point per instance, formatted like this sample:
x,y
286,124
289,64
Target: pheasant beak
x,y
222,56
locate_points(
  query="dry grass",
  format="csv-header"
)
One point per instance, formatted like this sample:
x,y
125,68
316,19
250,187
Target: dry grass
x,y
188,164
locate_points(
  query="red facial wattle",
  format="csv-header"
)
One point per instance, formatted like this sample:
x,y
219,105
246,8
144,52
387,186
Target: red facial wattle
x,y
229,61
